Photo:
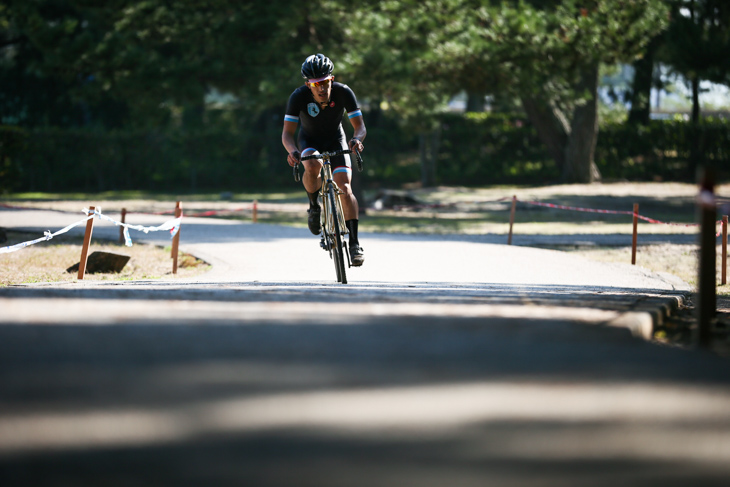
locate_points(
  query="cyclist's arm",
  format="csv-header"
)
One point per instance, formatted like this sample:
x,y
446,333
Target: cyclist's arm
x,y
360,132
289,141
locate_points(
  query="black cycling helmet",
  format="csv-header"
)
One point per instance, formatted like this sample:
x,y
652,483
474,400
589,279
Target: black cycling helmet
x,y
317,66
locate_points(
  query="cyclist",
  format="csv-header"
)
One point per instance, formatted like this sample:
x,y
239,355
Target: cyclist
x,y
320,105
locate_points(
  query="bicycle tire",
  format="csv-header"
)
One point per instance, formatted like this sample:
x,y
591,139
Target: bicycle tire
x,y
328,231
338,253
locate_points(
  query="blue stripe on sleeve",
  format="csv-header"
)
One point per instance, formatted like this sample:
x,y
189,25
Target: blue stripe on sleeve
x,y
356,113
291,118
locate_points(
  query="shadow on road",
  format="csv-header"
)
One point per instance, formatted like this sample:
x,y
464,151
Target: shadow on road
x,y
598,297
379,399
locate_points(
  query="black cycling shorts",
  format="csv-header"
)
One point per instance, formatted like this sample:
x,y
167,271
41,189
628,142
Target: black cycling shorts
x,y
327,146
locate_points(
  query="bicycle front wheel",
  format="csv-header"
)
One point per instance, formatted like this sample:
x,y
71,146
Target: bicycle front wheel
x,y
338,251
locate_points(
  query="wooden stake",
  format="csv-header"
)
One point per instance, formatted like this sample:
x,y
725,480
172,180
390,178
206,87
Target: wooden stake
x,y
85,247
724,250
255,211
706,303
176,238
633,240
512,219
121,228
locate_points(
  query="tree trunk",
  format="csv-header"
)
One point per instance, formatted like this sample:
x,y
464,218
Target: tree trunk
x,y
474,101
641,85
571,144
695,100
579,164
695,155
426,179
551,125
428,147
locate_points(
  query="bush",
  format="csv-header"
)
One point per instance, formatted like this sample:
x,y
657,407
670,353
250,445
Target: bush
x,y
473,149
172,161
13,140
483,148
662,149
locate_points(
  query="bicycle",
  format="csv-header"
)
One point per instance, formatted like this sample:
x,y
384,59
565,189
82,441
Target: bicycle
x,y
332,218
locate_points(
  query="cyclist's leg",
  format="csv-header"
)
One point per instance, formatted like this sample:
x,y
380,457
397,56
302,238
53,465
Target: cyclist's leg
x,y
342,174
312,181
312,178
343,178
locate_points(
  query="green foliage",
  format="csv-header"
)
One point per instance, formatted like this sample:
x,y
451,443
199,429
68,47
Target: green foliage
x,y
128,78
476,149
544,52
698,39
514,46
173,160
13,141
481,149
662,149
135,62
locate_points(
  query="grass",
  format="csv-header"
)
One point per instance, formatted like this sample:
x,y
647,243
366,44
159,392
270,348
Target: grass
x,y
47,262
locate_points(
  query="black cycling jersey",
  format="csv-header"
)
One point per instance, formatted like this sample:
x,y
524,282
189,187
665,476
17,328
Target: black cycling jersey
x,y
321,127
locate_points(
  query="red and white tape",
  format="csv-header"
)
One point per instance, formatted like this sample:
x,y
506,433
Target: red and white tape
x,y
617,212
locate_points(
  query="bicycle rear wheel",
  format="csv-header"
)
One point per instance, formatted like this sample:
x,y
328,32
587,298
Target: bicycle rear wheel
x,y
338,251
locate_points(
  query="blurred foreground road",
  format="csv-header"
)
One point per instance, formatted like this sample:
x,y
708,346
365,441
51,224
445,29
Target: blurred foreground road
x,y
445,361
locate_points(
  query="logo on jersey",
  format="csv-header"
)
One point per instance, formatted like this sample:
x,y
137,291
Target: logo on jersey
x,y
313,109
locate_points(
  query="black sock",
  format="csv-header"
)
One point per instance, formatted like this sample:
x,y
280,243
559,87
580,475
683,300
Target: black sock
x,y
313,199
352,227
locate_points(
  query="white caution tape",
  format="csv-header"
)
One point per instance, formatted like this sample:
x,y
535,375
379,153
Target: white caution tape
x,y
47,235
172,225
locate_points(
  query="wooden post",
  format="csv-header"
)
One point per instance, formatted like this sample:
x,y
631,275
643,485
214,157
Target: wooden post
x,y
176,238
724,250
255,211
706,290
85,247
512,219
633,240
121,228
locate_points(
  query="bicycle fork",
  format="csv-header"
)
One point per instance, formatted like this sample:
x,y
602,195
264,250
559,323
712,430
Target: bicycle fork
x,y
327,216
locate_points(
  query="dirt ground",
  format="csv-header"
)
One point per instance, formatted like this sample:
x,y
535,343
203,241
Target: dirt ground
x,y
442,210
49,261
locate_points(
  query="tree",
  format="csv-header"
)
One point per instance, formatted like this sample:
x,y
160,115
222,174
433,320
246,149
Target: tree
x,y
547,52
696,46
151,54
644,79
697,43
37,90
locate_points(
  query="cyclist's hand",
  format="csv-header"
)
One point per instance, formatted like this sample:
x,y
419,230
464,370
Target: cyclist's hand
x,y
293,158
356,144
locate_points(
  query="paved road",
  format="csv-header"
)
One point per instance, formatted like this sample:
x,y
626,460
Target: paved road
x,y
446,361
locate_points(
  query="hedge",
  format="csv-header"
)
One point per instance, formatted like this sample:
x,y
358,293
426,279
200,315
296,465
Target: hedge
x,y
662,149
473,149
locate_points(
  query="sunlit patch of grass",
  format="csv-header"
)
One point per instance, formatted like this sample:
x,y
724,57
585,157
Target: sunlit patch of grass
x,y
46,262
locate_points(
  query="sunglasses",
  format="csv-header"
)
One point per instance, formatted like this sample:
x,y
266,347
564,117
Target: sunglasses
x,y
321,82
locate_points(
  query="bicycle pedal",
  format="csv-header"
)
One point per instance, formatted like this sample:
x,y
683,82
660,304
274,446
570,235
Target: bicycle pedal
x,y
323,244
